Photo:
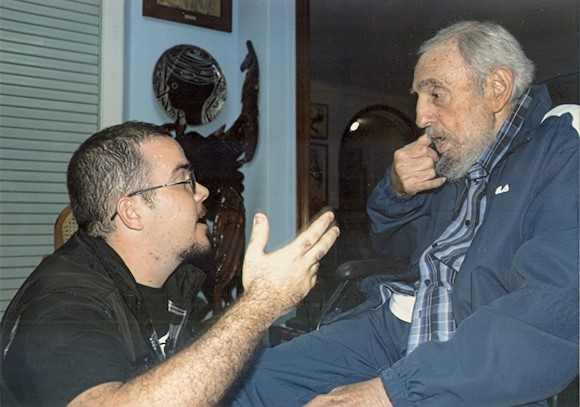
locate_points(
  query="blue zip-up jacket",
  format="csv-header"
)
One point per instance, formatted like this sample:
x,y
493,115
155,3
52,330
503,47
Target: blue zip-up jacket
x,y
515,298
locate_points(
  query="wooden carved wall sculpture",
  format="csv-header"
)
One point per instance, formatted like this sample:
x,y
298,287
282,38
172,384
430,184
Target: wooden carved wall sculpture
x,y
190,87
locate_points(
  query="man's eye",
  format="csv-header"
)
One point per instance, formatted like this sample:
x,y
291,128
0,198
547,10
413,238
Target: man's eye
x,y
439,98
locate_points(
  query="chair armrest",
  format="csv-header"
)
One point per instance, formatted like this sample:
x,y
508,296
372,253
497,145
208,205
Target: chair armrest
x,y
350,272
356,269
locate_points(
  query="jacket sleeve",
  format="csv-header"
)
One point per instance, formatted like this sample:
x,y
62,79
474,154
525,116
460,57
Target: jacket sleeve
x,y
391,217
523,346
396,221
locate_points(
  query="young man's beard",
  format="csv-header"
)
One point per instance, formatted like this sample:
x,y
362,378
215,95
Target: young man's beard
x,y
196,252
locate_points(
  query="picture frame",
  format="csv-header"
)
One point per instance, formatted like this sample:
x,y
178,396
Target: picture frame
x,y
318,177
318,121
213,14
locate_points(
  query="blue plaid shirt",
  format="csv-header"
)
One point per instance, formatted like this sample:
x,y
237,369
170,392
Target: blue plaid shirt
x,y
440,263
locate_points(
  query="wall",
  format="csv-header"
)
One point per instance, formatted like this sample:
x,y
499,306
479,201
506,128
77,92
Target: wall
x,y
343,104
270,184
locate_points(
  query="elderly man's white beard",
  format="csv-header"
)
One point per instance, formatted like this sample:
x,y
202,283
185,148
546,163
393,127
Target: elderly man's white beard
x,y
454,168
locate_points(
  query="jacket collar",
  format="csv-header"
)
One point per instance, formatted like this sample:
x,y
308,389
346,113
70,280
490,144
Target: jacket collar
x,y
181,285
539,105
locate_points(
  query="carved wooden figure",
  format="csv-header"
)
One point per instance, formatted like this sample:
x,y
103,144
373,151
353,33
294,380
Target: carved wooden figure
x,y
217,159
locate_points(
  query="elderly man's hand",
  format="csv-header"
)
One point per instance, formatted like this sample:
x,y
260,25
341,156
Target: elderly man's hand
x,y
413,168
370,393
285,276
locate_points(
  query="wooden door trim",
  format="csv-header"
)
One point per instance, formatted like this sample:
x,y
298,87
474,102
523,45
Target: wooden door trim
x,y
302,110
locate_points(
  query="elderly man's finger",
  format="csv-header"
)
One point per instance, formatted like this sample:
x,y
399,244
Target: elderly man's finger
x,y
424,140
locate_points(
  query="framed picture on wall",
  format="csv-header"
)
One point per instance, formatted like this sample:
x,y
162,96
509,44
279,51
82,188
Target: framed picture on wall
x,y
318,177
318,121
214,14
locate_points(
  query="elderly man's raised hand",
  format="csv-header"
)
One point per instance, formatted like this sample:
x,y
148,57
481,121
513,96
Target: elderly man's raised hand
x,y
285,276
413,168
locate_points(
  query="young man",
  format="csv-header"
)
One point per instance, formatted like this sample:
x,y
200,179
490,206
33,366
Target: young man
x,y
104,320
484,207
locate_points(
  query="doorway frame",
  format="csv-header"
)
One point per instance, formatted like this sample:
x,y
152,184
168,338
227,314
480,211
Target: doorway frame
x,y
302,111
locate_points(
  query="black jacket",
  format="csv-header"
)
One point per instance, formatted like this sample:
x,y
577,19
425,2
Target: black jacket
x,y
87,273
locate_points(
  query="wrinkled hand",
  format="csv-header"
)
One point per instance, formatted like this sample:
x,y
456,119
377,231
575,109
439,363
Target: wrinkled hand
x,y
370,393
285,276
413,168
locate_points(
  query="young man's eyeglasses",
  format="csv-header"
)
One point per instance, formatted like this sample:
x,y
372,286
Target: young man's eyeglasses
x,y
191,180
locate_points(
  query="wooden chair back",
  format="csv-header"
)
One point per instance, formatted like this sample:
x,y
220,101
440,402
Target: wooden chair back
x,y
64,227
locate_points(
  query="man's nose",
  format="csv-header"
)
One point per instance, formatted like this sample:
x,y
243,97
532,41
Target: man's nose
x,y
424,111
201,192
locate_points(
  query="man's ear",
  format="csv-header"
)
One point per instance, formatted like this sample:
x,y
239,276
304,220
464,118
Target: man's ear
x,y
128,213
499,88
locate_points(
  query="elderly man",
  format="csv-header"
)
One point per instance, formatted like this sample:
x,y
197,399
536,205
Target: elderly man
x,y
484,207
104,320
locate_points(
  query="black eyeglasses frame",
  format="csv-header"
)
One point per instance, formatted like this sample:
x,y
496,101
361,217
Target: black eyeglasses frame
x,y
190,180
